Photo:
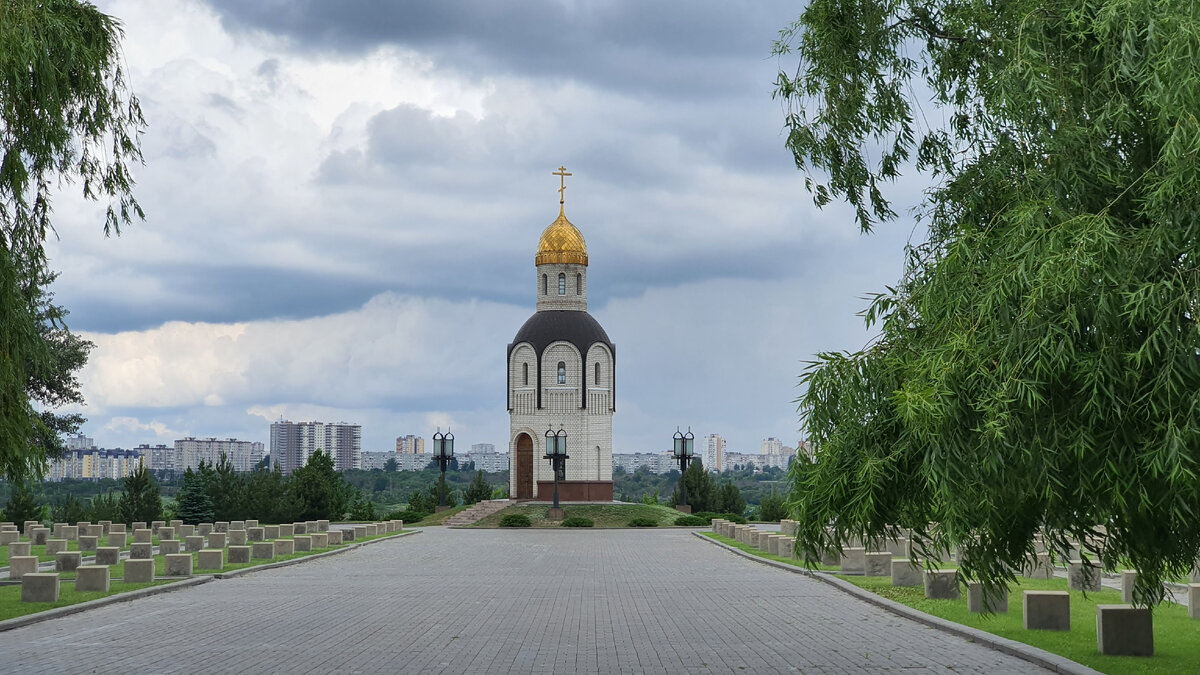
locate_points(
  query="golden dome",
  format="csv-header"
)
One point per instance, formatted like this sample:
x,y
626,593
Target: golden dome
x,y
562,242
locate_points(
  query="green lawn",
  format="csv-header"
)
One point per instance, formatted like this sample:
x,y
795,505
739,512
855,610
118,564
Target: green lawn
x,y
604,515
12,607
763,554
1176,637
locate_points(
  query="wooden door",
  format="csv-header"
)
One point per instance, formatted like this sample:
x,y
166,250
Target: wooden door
x,y
524,467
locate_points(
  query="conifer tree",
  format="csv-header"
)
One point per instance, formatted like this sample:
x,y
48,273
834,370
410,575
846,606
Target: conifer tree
x,y
192,504
141,500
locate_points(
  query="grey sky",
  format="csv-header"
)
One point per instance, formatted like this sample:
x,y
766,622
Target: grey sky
x,y
344,200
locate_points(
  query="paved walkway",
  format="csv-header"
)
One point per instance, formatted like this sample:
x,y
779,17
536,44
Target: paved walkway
x,y
501,601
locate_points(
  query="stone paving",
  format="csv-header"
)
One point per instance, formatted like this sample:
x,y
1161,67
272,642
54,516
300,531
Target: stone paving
x,y
503,601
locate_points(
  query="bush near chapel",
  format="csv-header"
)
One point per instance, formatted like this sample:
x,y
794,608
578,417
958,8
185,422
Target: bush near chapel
x,y
515,520
692,521
408,516
643,522
577,521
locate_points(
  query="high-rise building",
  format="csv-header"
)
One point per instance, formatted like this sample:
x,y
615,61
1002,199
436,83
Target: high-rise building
x,y
483,447
488,462
410,445
243,455
79,442
94,464
159,458
714,453
292,443
375,460
771,446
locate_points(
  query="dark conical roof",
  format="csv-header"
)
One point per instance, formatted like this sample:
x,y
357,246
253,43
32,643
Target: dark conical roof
x,y
578,328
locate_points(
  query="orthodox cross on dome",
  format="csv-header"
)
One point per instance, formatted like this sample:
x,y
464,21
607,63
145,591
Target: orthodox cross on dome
x,y
562,182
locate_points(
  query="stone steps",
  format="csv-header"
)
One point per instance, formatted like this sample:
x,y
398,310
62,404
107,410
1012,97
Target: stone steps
x,y
478,512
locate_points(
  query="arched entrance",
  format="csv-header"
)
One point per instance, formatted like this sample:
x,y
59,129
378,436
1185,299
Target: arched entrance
x,y
524,467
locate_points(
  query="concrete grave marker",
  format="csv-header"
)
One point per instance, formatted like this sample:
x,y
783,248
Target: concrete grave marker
x,y
239,554
1124,630
19,566
92,578
941,584
210,559
39,587
108,555
139,571
67,561
1047,610
179,565
979,602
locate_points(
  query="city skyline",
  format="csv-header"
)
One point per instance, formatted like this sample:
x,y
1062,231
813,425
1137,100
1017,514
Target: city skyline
x,y
340,210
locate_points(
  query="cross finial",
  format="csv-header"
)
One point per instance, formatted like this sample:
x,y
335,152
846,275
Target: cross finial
x,y
562,182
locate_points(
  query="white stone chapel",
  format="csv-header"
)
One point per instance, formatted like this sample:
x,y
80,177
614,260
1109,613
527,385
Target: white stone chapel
x,y
561,374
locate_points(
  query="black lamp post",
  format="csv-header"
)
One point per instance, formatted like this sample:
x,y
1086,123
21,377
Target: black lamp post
x,y
443,452
556,452
683,454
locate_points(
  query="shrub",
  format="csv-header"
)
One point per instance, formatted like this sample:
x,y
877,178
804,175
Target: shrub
x,y
691,521
707,515
408,516
577,521
734,518
515,520
643,522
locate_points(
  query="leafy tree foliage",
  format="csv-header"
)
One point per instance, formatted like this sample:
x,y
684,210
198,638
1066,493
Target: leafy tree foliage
x,y
141,500
65,116
1037,367
771,509
193,504
390,464
22,505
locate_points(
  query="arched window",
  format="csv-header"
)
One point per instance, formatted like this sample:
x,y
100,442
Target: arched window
x,y
545,288
562,372
578,284
525,371
562,284
596,380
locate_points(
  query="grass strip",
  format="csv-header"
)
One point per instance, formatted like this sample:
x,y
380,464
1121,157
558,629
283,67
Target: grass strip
x,y
11,606
734,543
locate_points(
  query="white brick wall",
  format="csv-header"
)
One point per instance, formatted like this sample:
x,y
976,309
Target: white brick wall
x,y
551,299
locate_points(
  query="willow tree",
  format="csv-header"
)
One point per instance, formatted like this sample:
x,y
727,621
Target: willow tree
x,y
65,117
1037,367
